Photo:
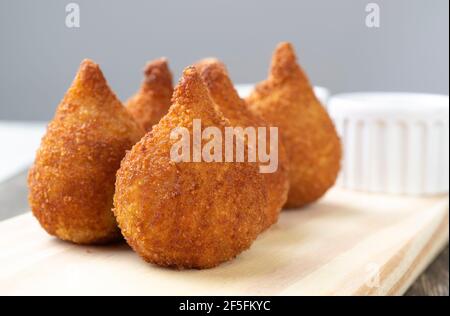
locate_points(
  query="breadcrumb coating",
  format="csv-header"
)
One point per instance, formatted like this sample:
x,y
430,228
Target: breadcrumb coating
x,y
152,101
187,215
287,100
71,184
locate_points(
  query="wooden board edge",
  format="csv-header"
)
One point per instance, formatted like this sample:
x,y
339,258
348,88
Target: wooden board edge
x,y
424,258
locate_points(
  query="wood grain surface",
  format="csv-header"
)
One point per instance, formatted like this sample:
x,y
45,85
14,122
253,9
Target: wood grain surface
x,y
330,248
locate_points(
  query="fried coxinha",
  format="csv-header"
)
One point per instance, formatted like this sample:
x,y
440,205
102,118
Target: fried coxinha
x,y
286,99
187,215
71,184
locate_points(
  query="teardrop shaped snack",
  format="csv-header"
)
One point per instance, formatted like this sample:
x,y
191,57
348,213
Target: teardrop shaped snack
x,y
71,183
287,100
187,214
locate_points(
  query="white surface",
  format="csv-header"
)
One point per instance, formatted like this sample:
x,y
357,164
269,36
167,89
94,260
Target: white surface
x,y
19,142
323,94
393,142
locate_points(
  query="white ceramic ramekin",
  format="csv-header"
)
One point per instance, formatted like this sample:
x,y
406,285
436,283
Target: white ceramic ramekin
x,y
393,142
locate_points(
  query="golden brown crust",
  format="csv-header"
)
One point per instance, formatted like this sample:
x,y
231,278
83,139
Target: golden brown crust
x,y
287,100
152,101
71,183
187,215
215,76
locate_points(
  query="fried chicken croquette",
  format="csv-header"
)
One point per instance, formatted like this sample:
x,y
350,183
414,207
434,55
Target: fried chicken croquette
x,y
287,100
71,184
152,101
187,214
215,76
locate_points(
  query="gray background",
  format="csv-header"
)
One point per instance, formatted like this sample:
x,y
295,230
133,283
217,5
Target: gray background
x,y
39,55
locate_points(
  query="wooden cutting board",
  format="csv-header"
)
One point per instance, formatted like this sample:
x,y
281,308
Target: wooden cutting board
x,y
347,244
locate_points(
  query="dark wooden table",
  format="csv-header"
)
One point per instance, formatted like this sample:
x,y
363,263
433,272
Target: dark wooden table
x,y
434,281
